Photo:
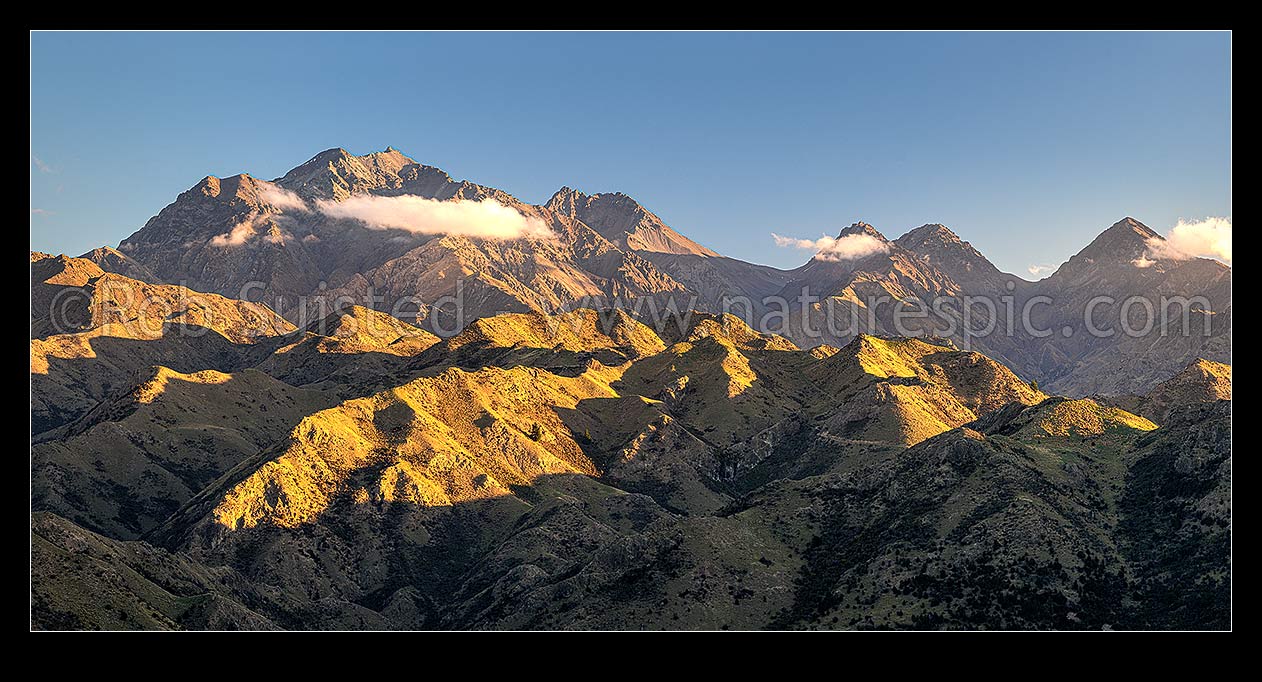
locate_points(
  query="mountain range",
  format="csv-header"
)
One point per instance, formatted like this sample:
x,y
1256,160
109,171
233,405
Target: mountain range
x,y
269,241
590,437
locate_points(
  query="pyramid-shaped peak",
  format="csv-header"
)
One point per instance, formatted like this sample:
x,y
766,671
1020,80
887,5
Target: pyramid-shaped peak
x,y
1121,240
329,156
388,154
1130,228
1122,243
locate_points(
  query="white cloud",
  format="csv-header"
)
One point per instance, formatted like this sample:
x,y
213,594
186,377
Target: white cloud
x,y
41,211
1208,238
240,234
849,247
253,228
487,219
1040,271
1143,262
43,167
281,198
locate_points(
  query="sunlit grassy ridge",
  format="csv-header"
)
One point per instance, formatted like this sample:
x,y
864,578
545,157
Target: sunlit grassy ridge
x,y
456,437
906,390
1086,418
580,330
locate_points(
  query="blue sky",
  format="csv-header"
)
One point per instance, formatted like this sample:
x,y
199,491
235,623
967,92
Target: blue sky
x,y
1026,144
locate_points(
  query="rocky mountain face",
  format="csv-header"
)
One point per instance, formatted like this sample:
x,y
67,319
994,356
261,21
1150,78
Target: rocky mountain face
x,y
561,456
838,299
1152,320
268,241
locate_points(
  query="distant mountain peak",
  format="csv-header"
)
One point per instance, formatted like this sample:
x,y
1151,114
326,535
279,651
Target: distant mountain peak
x,y
566,200
112,260
862,228
331,154
336,173
931,233
1123,242
102,252
387,157
939,245
624,221
1129,228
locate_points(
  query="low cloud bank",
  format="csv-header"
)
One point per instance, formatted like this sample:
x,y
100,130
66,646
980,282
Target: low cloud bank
x,y
487,219
849,247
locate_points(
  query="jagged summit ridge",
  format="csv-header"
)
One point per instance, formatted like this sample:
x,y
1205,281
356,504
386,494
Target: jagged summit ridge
x,y
863,229
624,221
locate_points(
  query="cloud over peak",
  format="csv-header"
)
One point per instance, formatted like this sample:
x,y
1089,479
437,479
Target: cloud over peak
x,y
848,247
281,198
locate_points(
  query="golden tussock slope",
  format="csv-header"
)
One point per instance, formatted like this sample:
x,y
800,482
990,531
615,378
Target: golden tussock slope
x,y
454,437
907,390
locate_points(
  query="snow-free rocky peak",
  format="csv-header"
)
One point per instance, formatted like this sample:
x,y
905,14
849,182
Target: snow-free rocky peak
x,y
624,221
